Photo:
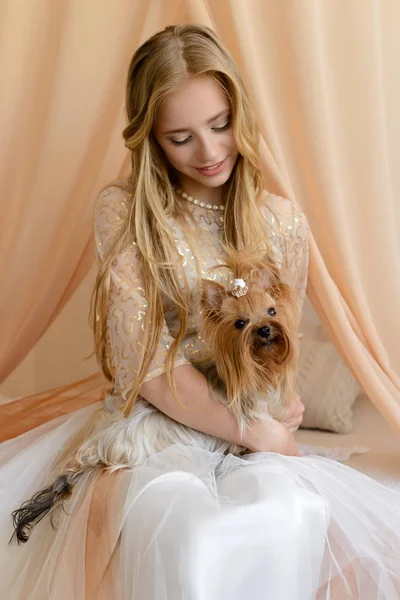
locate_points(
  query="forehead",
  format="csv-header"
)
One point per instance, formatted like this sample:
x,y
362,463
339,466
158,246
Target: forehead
x,y
254,304
195,101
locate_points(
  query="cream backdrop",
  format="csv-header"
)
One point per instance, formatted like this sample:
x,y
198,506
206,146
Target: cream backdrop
x,y
325,83
59,356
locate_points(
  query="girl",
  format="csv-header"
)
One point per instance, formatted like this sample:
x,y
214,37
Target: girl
x,y
187,524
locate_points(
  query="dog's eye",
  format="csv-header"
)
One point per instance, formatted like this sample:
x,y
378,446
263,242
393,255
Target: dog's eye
x,y
272,312
240,324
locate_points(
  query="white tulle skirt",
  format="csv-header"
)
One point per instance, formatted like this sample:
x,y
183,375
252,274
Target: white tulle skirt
x,y
194,525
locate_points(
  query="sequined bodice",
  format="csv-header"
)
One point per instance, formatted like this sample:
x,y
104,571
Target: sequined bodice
x,y
288,234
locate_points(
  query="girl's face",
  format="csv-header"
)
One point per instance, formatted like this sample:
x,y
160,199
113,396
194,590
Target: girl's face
x,y
193,127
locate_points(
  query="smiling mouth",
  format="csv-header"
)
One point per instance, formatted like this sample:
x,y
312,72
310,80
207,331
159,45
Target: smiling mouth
x,y
212,166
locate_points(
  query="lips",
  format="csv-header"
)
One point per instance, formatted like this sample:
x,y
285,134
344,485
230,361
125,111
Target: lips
x,y
214,166
214,169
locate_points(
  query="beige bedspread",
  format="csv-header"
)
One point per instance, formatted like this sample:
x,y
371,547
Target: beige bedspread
x,y
382,462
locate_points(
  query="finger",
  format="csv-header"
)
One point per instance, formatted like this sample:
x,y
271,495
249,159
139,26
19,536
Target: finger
x,y
294,427
295,424
300,410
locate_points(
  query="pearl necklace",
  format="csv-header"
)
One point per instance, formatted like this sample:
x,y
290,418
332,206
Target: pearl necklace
x,y
197,202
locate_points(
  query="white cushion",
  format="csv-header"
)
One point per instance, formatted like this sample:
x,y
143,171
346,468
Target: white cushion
x,y
326,386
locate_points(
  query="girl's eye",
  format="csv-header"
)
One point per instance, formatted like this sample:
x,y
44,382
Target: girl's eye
x,y
176,143
223,127
217,129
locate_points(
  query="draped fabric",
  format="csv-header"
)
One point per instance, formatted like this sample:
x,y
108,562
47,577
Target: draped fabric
x,y
325,86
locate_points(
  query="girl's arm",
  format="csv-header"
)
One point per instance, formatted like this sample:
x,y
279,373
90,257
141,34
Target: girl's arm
x,y
199,410
127,304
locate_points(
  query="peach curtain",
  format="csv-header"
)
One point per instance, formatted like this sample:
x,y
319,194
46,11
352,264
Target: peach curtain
x,y
325,85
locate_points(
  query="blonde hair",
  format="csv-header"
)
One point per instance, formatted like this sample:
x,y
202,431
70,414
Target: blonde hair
x,y
157,68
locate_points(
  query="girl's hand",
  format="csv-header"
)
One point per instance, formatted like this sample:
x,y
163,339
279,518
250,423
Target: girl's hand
x,y
270,436
294,415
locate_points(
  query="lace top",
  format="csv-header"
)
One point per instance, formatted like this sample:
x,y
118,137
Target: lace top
x,y
288,234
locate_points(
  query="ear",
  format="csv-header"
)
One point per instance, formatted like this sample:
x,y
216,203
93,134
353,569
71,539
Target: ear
x,y
213,294
281,292
263,278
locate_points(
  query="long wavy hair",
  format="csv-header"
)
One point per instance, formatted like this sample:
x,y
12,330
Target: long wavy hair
x,y
157,68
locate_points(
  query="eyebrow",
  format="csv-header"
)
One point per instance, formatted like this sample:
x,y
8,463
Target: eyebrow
x,y
183,129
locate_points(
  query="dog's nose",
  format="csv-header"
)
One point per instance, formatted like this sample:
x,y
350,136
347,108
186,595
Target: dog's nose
x,y
264,332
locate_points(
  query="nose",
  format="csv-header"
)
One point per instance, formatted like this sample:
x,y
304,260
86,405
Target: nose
x,y
207,151
264,332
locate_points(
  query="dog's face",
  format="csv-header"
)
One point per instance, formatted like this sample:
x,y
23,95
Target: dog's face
x,y
253,337
257,321
261,321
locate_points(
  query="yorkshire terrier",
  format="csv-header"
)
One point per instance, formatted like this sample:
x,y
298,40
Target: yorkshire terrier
x,y
250,331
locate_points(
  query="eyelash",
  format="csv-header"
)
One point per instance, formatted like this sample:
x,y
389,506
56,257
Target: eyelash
x,y
217,129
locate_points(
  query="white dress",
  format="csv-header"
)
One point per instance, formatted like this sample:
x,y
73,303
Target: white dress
x,y
190,524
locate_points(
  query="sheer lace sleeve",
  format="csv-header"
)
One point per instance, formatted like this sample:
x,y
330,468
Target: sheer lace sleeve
x,y
127,303
288,229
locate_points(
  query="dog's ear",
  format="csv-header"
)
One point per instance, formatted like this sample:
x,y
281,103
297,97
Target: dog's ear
x,y
213,294
285,296
264,278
